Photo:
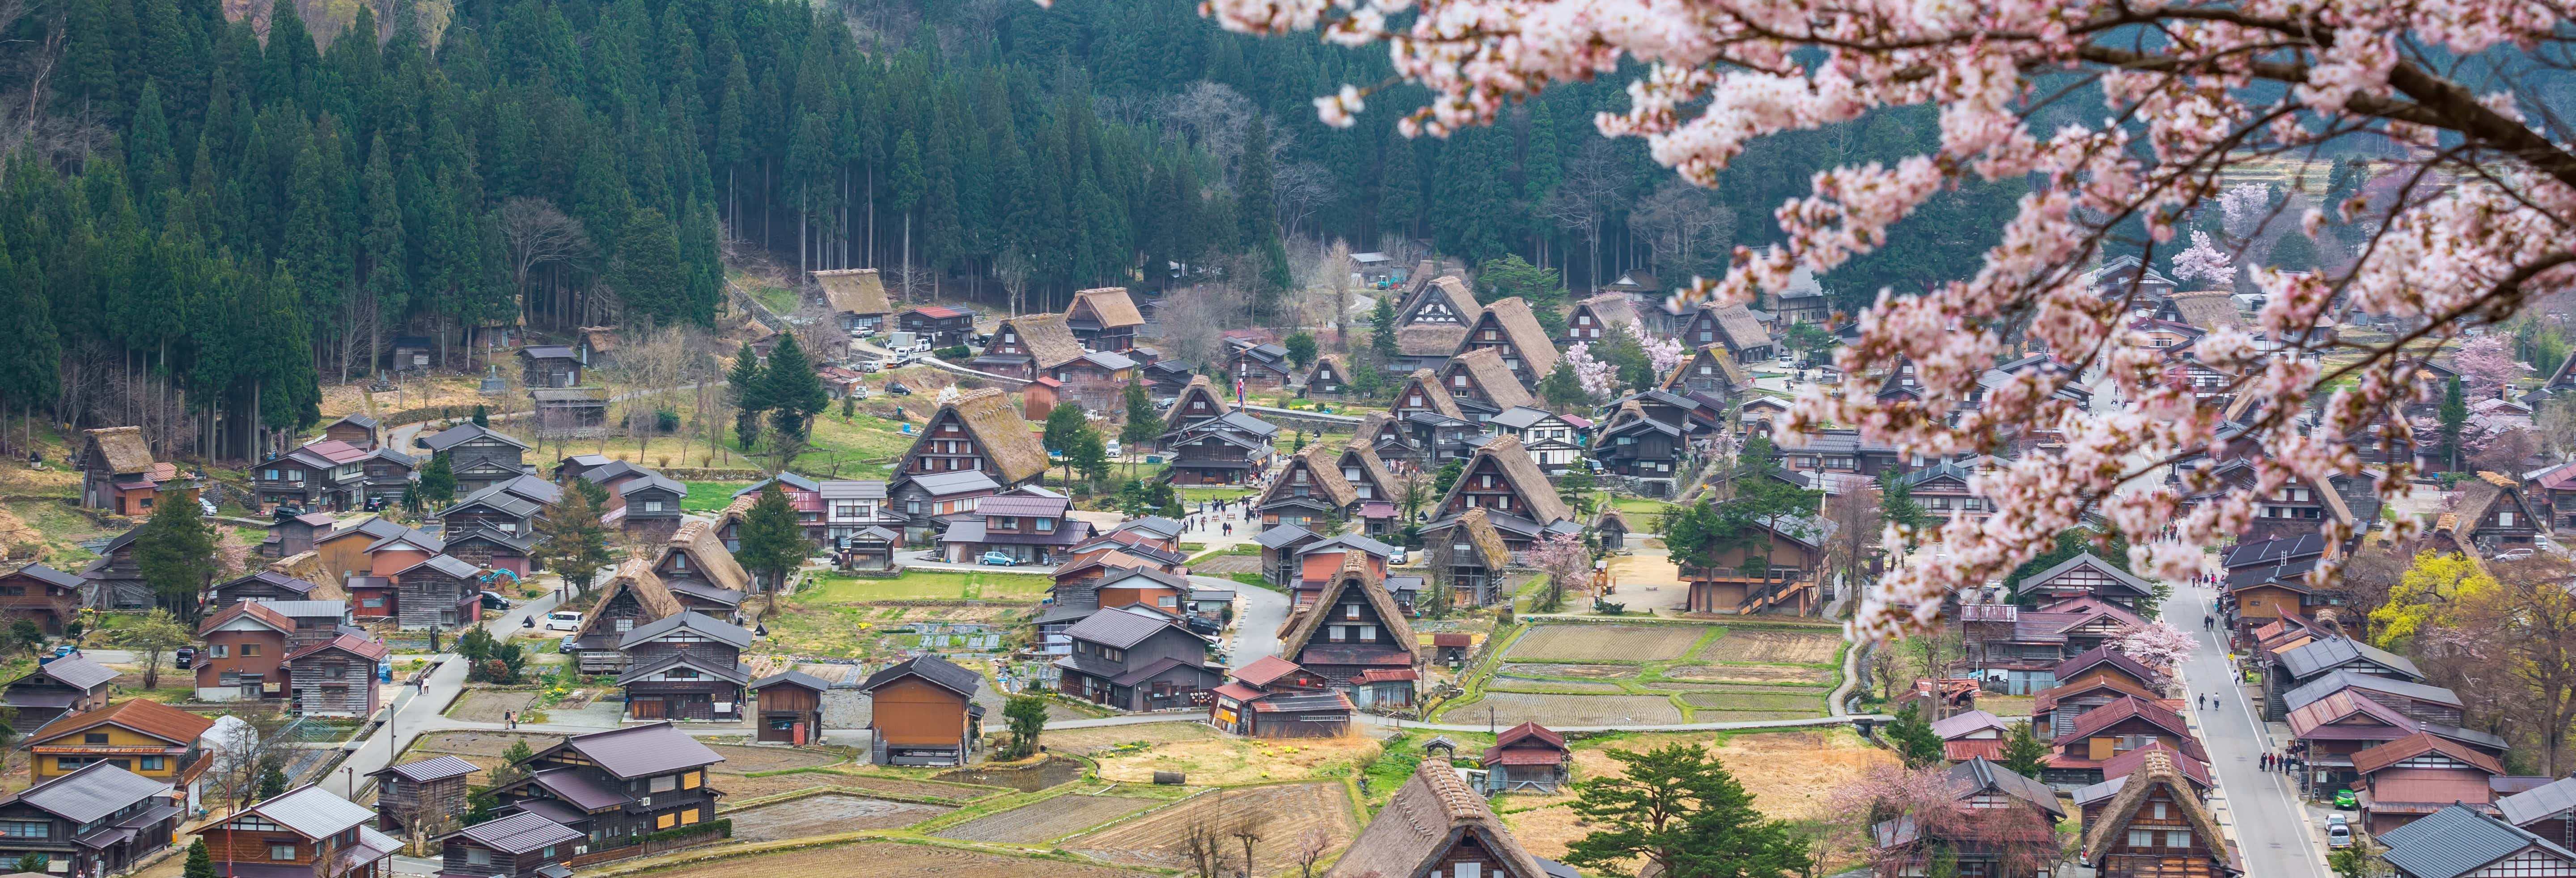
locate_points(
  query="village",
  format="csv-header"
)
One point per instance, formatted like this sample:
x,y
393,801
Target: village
x,y
1292,625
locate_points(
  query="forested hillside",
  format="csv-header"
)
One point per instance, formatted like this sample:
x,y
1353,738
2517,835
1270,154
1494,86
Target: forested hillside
x,y
207,213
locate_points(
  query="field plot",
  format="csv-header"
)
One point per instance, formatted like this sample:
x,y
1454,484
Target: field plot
x,y
927,585
889,860
1086,742
825,815
1791,775
1753,673
1213,759
1284,812
1790,701
1774,646
488,707
745,760
1054,818
1527,671
1592,643
1514,708
1521,684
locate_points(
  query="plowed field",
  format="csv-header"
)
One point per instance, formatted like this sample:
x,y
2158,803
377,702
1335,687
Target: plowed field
x,y
1282,814
1583,643
1767,645
825,815
888,860
1054,818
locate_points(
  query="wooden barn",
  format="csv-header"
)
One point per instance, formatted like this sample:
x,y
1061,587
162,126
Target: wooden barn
x,y
1527,758
791,707
425,796
923,712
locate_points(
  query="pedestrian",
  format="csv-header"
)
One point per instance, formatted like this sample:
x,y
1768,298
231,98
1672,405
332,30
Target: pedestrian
x,y
2208,622
2267,762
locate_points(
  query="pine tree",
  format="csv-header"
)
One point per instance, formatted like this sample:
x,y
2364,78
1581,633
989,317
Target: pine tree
x,y
1680,810
1382,327
438,480
1399,198
571,541
2452,417
648,273
748,388
773,543
176,553
1144,425
2024,752
1562,389
1913,737
794,393
201,864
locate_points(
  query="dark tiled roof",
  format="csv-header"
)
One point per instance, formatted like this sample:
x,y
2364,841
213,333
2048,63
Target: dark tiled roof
x,y
520,833
94,792
2319,656
793,678
700,623
461,433
77,671
932,668
1118,629
426,770
637,751
2458,840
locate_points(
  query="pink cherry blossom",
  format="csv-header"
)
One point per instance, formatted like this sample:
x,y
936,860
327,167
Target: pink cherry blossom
x,y
2473,217
1600,378
2203,262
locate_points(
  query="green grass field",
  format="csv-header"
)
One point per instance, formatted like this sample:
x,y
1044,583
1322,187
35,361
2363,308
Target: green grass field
x,y
863,447
928,585
710,496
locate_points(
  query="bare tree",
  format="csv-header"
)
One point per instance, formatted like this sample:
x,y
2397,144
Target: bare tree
x,y
538,235
1856,519
1312,845
1203,841
1337,269
1012,268
1211,116
1192,318
1298,190
1248,828
1676,220
1582,201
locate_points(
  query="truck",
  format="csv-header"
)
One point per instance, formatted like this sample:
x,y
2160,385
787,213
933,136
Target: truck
x,y
902,341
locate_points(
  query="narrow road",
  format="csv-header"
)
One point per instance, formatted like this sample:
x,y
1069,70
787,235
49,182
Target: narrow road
x,y
2271,825
416,711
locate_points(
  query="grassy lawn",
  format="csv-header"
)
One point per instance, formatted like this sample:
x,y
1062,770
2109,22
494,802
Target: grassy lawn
x,y
928,585
1195,495
779,299
707,496
863,447
1642,513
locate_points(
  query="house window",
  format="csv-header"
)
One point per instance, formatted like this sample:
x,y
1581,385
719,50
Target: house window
x,y
912,507
25,829
1350,611
250,650
652,505
1339,633
1043,525
1007,522
286,851
624,625
153,763
94,738
1368,632
1168,602
225,651
2504,519
1470,870
666,783
335,672
2142,838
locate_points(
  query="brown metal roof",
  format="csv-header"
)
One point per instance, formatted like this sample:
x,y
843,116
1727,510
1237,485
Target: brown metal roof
x,y
152,718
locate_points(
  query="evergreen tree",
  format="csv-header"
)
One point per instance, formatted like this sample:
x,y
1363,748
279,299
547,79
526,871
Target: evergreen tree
x,y
176,553
201,864
1256,216
272,782
1562,389
794,392
570,539
648,274
1913,737
1144,425
747,386
2452,417
482,417
1399,199
1301,350
1897,506
438,480
1382,327
1063,423
2024,752
1678,808
773,543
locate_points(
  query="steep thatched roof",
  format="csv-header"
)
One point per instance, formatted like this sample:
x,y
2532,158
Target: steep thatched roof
x,y
1434,397
1430,814
2155,772
308,566
1341,369
1537,495
1713,356
123,448
1355,576
1361,452
1326,480
854,291
1429,339
1045,336
1521,328
714,561
635,574
1741,330
1611,310
2206,310
1005,435
1481,534
1485,367
1109,305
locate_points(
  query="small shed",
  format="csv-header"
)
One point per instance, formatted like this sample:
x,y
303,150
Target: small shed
x,y
1613,529
872,548
549,365
923,712
1527,757
570,411
412,353
1451,647
791,707
427,796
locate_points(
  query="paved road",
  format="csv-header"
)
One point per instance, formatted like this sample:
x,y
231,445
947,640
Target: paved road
x,y
416,711
2271,825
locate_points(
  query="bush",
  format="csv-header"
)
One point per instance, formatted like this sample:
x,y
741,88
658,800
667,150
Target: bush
x,y
666,420
955,352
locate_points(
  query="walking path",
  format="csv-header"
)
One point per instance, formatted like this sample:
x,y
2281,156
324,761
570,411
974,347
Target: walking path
x,y
2261,809
417,710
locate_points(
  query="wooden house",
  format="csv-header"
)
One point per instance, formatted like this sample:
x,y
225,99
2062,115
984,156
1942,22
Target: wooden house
x,y
701,574
244,643
1136,658
40,594
1261,366
2418,701
1318,561
1437,825
2105,662
1030,346
115,580
1430,324
1279,547
1527,758
139,735
598,347
685,666
1356,637
412,353
323,475
1372,484
2087,576
1309,492
1650,454
119,475
940,325
2413,776
1274,698
2492,516
1435,427
1471,553
2112,729
336,677
2091,801
2057,708
1594,319
2547,810
522,845
1733,326
1104,319
924,501
857,297
851,506
1330,377
2298,666
2267,580
1553,441
98,820
1508,328
494,508
1483,385
791,707
1032,528
1942,490
1097,380
550,365
2158,828
618,786
438,591
569,411
1971,734
67,685
922,712
648,508
479,455
2331,731
355,428
426,796
485,547
1502,480
2462,841
344,551
1710,373
1796,549
1230,449
295,536
978,431
1197,402
2002,824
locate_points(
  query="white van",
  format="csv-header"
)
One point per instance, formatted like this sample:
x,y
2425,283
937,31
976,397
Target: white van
x,y
563,620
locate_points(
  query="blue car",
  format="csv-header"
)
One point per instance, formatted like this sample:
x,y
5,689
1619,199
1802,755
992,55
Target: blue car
x,y
998,559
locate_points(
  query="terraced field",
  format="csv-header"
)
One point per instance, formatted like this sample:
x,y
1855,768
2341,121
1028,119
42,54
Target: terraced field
x,y
1043,821
887,860
1576,674
1285,811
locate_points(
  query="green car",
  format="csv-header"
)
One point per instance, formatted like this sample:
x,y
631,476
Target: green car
x,y
2344,799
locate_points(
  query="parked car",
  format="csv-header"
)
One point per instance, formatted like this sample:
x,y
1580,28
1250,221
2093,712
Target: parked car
x,y
206,506
998,559
867,364
2338,831
1396,557
563,620
492,600
287,510
2345,800
184,657
1204,625
1112,448
2516,554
